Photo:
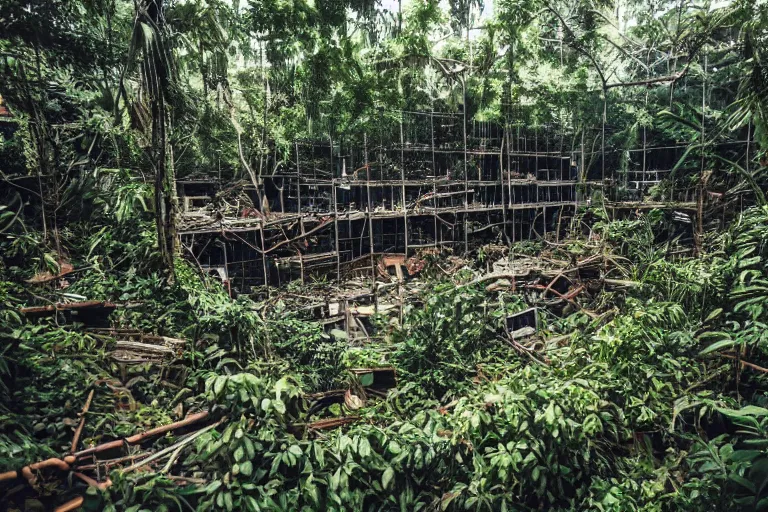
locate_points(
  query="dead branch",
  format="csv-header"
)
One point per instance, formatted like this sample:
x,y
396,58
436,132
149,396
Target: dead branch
x,y
567,297
9,475
79,431
295,239
93,483
183,480
138,438
553,281
331,423
524,350
72,504
745,363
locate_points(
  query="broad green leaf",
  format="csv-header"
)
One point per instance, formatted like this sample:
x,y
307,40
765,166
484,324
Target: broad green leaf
x,y
386,478
218,385
366,379
714,314
718,346
364,448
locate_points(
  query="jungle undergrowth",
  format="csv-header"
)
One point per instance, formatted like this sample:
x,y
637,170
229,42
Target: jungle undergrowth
x,y
604,420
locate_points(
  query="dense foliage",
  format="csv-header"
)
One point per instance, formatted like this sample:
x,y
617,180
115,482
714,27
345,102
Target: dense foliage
x,y
645,398
632,412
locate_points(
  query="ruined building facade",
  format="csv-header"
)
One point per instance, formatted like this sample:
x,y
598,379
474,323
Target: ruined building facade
x,y
431,182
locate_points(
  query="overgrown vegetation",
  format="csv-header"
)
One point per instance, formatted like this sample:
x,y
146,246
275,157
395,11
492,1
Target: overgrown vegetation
x,y
648,395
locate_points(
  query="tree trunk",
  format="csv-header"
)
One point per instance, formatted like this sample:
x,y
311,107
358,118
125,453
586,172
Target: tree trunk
x,y
165,210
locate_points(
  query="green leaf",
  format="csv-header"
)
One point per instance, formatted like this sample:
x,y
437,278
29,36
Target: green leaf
x,y
364,448
745,455
549,413
749,410
249,448
335,478
743,482
386,478
278,405
253,506
749,178
718,346
228,434
366,379
246,468
275,466
218,385
280,386
714,314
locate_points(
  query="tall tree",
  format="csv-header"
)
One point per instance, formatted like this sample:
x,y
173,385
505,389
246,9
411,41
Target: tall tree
x,y
151,58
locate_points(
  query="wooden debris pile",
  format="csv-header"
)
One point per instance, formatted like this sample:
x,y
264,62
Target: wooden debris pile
x,y
551,282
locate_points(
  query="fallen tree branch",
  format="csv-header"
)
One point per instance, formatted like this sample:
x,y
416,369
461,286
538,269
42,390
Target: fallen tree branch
x,y
553,281
284,242
138,438
524,350
172,458
71,505
745,363
65,464
622,283
567,297
79,431
9,475
93,483
182,480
